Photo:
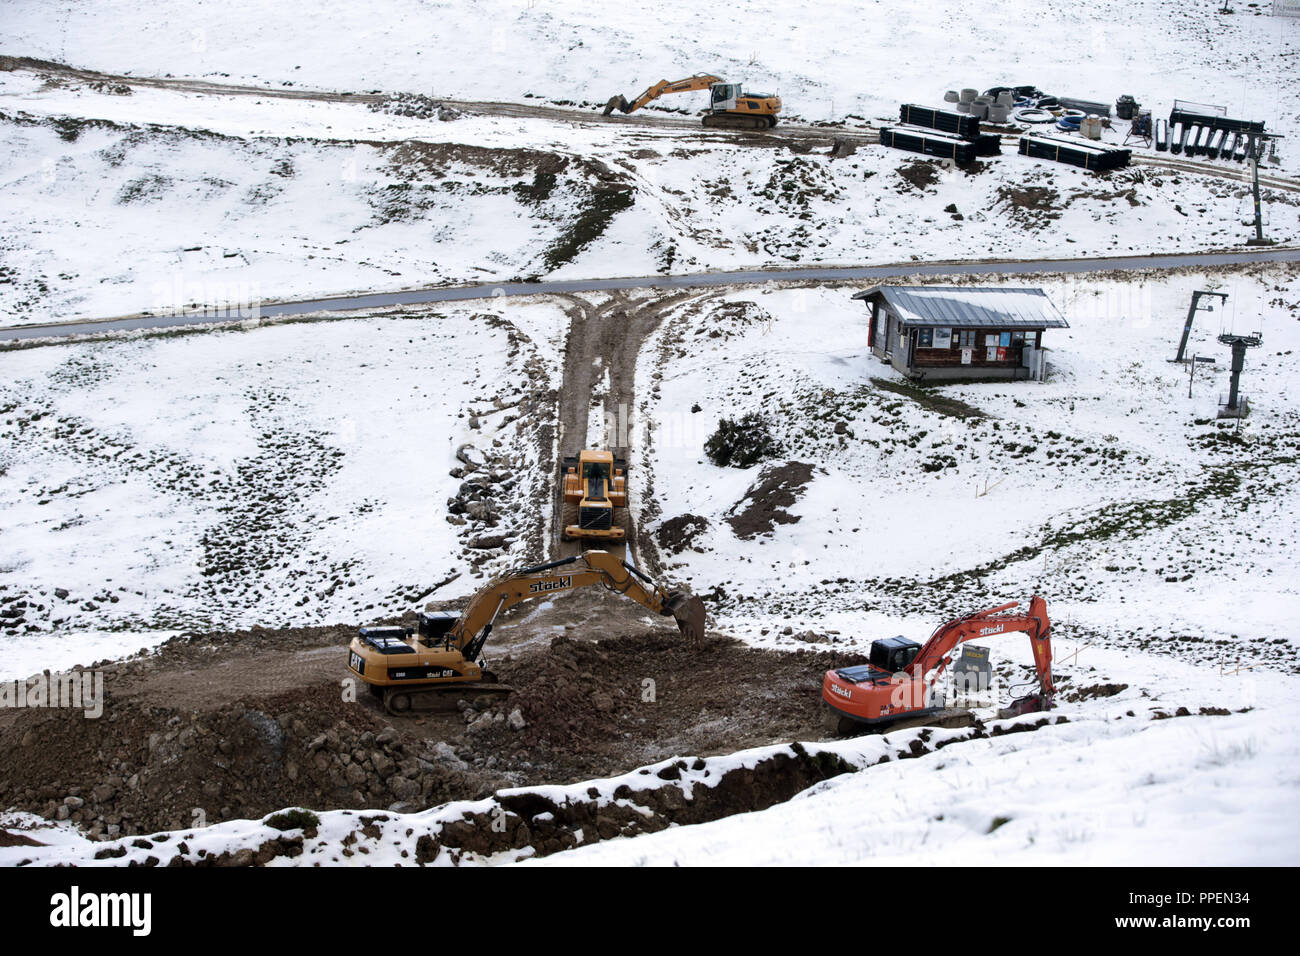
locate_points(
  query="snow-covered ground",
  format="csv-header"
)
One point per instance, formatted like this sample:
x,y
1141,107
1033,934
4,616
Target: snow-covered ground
x,y
286,474
1106,488
826,62
299,473
117,204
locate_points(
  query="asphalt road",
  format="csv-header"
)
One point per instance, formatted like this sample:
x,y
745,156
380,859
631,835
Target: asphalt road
x,y
381,300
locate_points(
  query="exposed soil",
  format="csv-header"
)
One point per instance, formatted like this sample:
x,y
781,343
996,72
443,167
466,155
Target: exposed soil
x,y
239,725
763,507
677,534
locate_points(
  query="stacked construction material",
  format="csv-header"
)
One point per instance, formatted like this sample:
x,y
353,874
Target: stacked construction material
x,y
962,125
1088,155
954,136
930,142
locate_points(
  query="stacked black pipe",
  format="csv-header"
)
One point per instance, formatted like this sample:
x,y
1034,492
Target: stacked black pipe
x,y
1087,155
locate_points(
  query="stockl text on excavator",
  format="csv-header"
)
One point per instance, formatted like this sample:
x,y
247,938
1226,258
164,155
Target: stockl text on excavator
x,y
413,669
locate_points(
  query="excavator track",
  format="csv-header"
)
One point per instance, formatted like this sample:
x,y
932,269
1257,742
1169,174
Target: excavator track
x,y
400,701
731,121
952,717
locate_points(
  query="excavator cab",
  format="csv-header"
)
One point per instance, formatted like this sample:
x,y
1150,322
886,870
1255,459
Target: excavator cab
x,y
893,654
723,96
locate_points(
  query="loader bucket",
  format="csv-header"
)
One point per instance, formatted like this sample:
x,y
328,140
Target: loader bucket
x,y
618,102
688,611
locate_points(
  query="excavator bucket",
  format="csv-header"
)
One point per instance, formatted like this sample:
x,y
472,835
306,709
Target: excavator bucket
x,y
617,102
1026,705
688,611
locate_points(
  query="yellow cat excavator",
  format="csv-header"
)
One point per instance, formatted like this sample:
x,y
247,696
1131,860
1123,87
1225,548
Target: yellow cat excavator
x,y
730,107
413,669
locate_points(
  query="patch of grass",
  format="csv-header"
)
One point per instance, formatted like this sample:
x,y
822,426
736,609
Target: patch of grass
x,y
928,399
295,819
589,225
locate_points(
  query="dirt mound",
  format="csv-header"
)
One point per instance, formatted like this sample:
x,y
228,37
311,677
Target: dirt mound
x,y
677,534
188,737
763,507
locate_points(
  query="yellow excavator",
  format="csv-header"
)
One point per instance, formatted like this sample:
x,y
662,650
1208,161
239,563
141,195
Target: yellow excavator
x,y
414,669
730,107
595,496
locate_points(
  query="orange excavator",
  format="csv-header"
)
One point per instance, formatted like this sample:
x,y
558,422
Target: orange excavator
x,y
897,687
730,107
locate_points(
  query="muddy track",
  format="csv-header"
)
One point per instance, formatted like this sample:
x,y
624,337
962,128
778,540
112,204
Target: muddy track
x,y
809,135
605,339
813,135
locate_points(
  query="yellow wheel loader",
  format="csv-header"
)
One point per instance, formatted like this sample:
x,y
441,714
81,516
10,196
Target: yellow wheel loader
x,y
414,669
594,497
730,107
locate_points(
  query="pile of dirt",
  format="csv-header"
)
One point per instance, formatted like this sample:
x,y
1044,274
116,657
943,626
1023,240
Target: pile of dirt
x,y
677,534
763,507
1033,207
919,174
183,742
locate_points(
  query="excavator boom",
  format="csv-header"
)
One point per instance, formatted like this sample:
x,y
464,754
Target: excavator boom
x,y
730,107
408,669
700,81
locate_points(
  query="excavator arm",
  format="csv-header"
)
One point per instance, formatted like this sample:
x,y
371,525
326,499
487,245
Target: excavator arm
x,y
933,657
589,568
700,81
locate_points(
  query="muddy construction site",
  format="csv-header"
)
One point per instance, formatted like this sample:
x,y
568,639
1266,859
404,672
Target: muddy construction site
x,y
239,725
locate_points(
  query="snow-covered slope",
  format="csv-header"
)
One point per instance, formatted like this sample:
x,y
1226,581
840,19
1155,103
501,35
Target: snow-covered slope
x,y
1107,489
826,60
286,474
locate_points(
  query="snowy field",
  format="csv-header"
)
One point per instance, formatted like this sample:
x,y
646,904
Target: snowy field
x,y
1106,488
319,471
826,62
217,198
294,474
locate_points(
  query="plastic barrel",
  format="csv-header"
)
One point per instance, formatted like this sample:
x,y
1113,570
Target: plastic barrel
x,y
998,113
968,94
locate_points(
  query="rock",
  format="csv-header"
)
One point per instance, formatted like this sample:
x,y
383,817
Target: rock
x,y
355,775
383,764
404,788
602,702
480,724
388,735
486,542
516,719
61,593
104,792
75,803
